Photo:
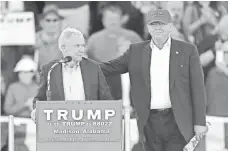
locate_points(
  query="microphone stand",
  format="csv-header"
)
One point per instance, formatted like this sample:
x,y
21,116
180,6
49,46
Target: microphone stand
x,y
48,92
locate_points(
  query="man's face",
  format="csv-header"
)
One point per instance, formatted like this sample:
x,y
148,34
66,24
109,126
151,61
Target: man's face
x,y
112,20
51,23
26,76
74,47
159,30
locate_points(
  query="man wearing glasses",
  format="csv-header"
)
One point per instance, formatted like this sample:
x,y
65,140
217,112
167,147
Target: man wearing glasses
x,y
80,79
47,38
167,86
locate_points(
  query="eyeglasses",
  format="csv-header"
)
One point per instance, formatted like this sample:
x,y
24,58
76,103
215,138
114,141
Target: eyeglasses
x,y
51,20
68,48
80,45
157,24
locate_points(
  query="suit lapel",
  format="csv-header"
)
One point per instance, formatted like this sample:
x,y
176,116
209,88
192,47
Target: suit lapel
x,y
146,60
85,68
58,80
174,59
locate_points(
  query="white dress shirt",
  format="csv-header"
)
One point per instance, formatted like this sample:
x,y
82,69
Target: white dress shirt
x,y
159,73
73,83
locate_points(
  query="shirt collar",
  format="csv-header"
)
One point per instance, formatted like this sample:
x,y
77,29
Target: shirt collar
x,y
66,65
167,44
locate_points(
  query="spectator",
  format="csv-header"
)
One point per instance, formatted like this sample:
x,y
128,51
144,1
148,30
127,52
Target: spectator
x,y
133,16
176,10
135,20
111,42
217,82
200,20
46,39
207,53
206,44
18,99
222,45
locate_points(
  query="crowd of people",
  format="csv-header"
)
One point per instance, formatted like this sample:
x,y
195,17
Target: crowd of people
x,y
202,23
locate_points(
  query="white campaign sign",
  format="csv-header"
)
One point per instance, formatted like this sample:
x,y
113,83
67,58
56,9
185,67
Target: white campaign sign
x,y
17,28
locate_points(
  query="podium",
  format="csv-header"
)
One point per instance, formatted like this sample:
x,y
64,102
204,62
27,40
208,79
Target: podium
x,y
79,126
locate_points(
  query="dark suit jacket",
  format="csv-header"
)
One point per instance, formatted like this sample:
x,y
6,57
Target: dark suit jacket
x,y
187,91
95,86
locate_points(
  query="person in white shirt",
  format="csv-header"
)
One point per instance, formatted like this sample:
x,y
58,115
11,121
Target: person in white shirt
x,y
167,86
80,79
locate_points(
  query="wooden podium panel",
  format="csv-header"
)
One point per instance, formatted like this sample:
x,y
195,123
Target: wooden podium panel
x,y
79,126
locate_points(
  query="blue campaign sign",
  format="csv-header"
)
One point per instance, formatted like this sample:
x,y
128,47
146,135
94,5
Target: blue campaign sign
x,y
79,125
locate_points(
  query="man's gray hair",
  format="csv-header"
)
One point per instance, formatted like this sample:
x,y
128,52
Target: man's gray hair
x,y
66,34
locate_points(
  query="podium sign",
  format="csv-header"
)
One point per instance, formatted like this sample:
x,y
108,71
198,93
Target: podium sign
x,y
79,125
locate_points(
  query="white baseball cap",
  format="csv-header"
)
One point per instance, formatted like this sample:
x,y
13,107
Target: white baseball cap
x,y
25,64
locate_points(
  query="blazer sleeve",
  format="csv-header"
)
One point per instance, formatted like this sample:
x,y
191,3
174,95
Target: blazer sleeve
x,y
198,92
116,66
41,94
104,91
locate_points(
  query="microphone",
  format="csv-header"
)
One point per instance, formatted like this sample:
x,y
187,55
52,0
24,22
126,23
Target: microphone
x,y
66,59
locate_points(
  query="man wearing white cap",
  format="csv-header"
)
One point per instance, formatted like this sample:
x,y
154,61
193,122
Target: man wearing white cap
x,y
19,98
18,101
167,86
